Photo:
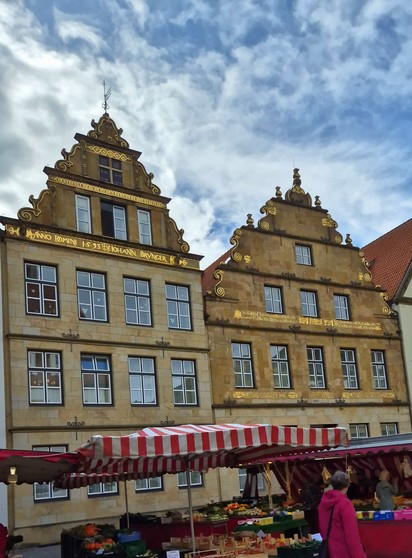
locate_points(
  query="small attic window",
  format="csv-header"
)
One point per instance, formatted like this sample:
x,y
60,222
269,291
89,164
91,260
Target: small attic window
x,y
110,170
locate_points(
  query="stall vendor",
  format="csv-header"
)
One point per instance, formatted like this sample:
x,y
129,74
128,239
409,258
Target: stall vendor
x,y
385,492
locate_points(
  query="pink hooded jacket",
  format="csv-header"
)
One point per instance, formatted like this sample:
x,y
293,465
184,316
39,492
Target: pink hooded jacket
x,y
344,541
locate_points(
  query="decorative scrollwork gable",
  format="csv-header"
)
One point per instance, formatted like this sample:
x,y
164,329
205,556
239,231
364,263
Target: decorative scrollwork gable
x,y
268,209
234,240
67,161
184,246
217,289
107,128
27,213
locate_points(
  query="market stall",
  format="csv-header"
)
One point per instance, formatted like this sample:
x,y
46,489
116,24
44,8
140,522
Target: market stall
x,y
383,535
28,467
156,451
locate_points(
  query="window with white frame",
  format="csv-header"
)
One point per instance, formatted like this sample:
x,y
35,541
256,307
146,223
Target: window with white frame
x,y
113,220
242,480
145,227
280,366
349,370
46,491
146,485
316,368
110,170
83,215
184,382
308,303
303,254
178,307
137,302
45,377
142,380
195,479
273,300
96,380
389,428
242,365
341,304
358,431
103,489
41,289
91,296
379,370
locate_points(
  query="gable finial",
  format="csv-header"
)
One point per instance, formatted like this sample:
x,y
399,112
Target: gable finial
x,y
106,95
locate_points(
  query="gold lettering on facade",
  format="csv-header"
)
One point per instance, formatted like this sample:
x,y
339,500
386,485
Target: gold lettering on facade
x,y
100,247
316,396
304,320
12,231
106,191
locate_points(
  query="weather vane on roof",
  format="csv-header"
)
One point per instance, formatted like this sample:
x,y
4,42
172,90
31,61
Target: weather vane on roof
x,y
106,95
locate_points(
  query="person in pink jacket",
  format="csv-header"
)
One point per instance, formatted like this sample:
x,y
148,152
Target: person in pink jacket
x,y
344,540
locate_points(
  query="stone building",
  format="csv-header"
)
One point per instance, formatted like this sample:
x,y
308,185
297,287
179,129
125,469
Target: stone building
x,y
103,328
298,333
390,262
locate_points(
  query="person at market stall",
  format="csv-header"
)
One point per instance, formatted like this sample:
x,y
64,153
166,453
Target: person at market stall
x,y
310,497
344,540
385,491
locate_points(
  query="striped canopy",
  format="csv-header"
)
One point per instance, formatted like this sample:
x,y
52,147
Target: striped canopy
x,y
156,451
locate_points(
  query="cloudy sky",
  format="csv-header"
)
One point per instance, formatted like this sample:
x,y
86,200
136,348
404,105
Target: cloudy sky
x,y
224,98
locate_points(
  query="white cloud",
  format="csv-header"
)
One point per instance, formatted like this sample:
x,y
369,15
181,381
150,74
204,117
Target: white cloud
x,y
220,127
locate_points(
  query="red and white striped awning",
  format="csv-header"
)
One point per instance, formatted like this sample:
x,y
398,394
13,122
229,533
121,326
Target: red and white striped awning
x,y
155,451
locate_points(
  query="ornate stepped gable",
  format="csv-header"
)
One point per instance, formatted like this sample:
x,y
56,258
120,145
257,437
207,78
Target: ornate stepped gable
x,y
277,221
79,172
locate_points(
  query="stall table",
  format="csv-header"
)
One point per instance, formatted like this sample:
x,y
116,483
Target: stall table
x,y
386,539
155,533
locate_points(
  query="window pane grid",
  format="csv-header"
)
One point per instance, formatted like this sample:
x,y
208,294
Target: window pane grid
x,y
349,371
273,300
154,483
41,289
316,371
242,365
137,302
341,304
195,479
45,378
110,170
358,431
379,370
145,231
280,366
389,428
308,303
178,307
142,381
184,382
91,294
96,383
83,214
303,255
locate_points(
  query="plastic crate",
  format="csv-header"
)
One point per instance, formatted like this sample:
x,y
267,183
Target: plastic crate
x,y
128,537
135,548
382,515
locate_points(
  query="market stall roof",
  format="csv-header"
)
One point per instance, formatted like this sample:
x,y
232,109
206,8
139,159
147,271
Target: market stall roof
x,y
379,444
155,451
36,466
367,456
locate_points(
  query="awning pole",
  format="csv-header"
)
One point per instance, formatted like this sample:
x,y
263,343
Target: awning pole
x,y
288,489
269,484
127,505
189,496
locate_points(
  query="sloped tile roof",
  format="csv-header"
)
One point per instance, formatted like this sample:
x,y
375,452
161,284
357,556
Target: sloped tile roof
x,y
208,281
390,256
